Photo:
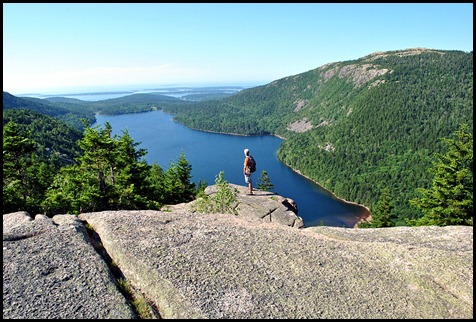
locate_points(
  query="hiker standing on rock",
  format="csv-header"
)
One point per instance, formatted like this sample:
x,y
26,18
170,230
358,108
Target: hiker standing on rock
x,y
247,171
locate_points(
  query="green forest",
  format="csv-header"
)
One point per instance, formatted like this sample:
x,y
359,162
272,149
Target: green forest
x,y
391,131
100,172
376,122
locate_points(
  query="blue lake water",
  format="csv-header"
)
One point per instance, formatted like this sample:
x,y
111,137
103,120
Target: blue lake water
x,y
209,153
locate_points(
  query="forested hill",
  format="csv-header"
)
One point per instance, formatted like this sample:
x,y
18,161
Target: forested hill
x,y
72,111
367,130
357,127
54,139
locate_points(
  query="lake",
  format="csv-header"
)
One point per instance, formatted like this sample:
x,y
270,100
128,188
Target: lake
x,y
209,153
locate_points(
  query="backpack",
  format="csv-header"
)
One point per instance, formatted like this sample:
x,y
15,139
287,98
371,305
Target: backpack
x,y
252,164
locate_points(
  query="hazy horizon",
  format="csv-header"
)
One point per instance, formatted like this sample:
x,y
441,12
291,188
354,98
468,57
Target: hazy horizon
x,y
133,89
58,48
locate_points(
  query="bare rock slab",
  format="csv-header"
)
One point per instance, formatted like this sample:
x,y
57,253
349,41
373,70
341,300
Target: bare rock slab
x,y
193,265
51,271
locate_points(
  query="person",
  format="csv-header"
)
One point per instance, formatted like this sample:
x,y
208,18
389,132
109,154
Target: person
x,y
246,171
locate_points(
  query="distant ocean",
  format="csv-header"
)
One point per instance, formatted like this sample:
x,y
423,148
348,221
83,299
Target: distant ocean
x,y
178,92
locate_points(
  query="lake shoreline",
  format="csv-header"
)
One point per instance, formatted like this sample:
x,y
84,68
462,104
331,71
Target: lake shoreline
x,y
314,201
367,214
366,210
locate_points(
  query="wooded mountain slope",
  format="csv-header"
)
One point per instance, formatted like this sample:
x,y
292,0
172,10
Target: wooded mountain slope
x,y
356,127
359,126
71,111
52,136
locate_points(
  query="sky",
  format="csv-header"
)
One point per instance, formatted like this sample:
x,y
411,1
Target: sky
x,y
57,48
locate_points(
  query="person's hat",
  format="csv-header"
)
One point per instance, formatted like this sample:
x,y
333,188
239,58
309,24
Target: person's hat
x,y
246,151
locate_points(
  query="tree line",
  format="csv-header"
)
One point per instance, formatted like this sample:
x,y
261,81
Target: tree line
x,y
108,174
111,174
366,140
52,168
369,143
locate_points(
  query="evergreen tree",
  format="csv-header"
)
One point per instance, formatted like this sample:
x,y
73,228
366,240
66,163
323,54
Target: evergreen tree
x,y
73,190
155,181
110,175
264,182
382,212
17,162
178,184
184,172
130,173
34,148
449,201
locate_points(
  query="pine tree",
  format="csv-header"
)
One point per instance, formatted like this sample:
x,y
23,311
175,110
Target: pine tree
x,y
178,184
449,201
130,173
17,162
109,175
155,181
382,212
264,181
184,172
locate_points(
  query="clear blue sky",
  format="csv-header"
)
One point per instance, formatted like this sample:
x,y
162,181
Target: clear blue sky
x,y
54,48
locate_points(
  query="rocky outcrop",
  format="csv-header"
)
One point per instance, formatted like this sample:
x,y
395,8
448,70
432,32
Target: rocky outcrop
x,y
262,206
51,271
193,265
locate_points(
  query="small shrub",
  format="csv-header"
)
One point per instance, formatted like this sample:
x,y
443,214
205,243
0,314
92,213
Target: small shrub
x,y
223,201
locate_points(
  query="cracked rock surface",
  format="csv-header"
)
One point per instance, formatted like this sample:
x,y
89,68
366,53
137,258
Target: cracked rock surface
x,y
193,265
223,266
51,271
